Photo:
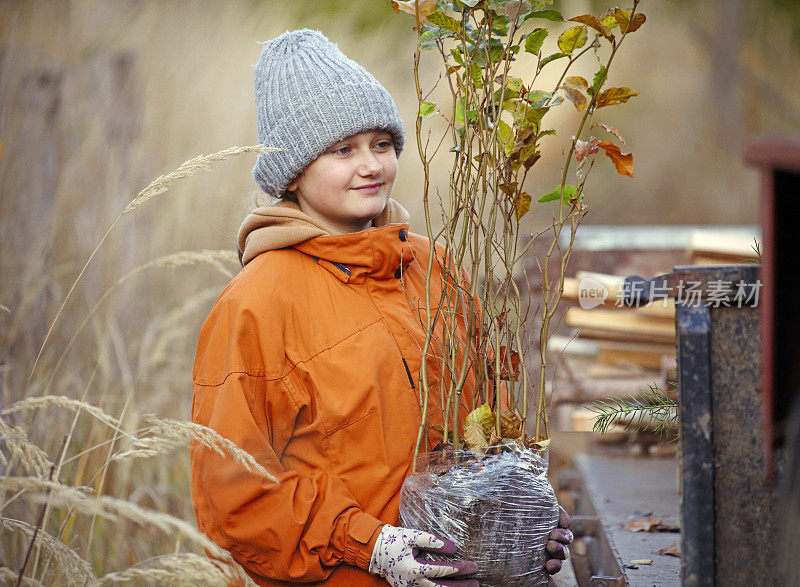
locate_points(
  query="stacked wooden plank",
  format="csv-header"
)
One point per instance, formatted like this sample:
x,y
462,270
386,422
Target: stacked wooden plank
x,y
615,351
611,351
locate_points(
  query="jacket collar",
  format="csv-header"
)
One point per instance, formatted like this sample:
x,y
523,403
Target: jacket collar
x,y
284,225
377,253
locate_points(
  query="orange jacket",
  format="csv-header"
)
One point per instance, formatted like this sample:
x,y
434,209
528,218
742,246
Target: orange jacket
x,y
302,363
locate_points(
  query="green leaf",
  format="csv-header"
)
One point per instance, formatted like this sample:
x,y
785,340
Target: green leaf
x,y
460,118
427,109
513,83
569,193
456,53
598,81
476,75
553,15
550,58
533,44
572,39
427,40
523,204
442,20
505,136
538,98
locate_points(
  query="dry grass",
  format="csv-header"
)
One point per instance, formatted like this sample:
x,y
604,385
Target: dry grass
x,y
73,501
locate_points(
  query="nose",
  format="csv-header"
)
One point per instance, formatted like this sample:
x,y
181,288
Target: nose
x,y
370,165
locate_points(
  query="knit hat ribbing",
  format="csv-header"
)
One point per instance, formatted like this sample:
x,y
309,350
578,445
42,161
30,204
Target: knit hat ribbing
x,y
309,96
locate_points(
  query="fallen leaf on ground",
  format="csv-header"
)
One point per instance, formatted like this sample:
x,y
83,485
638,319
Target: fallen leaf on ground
x,y
671,550
647,524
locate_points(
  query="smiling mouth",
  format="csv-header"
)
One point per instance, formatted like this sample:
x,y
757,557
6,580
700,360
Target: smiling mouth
x,y
371,186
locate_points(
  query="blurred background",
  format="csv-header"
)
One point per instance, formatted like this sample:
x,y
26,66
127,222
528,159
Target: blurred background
x,y
99,97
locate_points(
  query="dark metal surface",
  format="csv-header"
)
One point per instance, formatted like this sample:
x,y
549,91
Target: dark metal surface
x,y
697,451
727,509
745,504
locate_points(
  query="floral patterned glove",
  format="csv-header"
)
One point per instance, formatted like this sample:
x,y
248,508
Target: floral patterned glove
x,y
395,559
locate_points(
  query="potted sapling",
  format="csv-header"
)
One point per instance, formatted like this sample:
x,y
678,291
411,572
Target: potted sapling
x,y
481,455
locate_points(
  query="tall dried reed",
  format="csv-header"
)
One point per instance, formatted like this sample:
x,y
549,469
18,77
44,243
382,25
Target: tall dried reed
x,y
73,494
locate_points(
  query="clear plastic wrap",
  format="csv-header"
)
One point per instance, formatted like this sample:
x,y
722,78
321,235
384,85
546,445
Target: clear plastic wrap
x,y
498,510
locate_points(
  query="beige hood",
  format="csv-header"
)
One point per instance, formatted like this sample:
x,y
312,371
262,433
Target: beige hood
x,y
282,225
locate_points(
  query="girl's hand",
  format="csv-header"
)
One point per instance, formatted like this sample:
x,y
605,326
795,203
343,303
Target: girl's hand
x,y
557,546
395,559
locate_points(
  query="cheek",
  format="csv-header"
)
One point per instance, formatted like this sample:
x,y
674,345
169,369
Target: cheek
x,y
390,169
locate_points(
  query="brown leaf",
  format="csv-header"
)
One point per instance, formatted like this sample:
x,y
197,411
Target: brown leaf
x,y
502,319
585,148
622,161
613,96
646,524
508,188
577,97
513,358
636,22
577,82
426,7
593,22
510,425
672,550
609,129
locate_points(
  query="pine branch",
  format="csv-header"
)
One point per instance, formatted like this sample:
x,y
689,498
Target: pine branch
x,y
651,410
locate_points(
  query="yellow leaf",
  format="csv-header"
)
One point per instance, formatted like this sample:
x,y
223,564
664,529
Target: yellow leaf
x,y
571,39
426,7
482,417
615,17
478,428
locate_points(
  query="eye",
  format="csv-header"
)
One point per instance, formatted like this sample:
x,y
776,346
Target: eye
x,y
341,150
384,144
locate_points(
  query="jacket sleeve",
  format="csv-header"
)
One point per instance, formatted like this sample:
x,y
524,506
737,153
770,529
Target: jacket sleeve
x,y
296,530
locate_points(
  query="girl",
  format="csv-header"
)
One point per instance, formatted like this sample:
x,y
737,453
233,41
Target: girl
x,y
307,360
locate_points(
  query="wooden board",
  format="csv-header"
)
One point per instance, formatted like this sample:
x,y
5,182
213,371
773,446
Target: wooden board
x,y
710,243
620,325
650,356
647,355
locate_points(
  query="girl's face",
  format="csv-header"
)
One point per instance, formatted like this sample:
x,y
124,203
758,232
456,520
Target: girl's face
x,y
350,184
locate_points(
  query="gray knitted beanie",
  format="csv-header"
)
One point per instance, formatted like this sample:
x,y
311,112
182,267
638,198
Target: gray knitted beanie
x,y
309,96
